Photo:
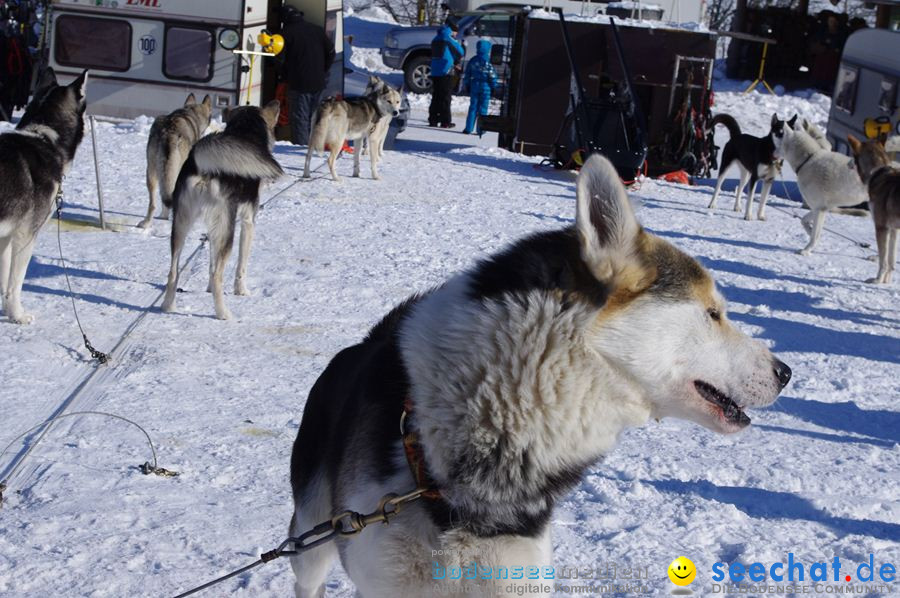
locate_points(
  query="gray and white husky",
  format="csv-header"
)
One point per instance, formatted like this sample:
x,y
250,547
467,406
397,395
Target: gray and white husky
x,y
356,119
515,376
220,181
33,160
826,179
171,138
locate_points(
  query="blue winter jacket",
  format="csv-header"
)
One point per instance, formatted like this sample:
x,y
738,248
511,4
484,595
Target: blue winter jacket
x,y
445,52
480,77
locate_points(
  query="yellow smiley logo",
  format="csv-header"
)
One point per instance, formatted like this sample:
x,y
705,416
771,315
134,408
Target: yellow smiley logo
x,y
682,571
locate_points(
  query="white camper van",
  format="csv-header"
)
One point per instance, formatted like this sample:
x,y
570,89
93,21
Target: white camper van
x,y
145,56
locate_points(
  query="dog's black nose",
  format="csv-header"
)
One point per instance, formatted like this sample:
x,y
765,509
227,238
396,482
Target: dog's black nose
x,y
782,372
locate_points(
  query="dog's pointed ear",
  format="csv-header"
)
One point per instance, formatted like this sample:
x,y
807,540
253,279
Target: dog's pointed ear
x,y
47,79
190,100
607,228
270,113
774,122
80,85
207,101
793,121
855,144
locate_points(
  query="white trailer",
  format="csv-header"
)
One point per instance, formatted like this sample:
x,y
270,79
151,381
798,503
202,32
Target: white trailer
x,y
145,56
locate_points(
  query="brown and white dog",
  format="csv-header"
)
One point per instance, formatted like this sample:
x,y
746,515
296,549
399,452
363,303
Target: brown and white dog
x,y
883,183
515,376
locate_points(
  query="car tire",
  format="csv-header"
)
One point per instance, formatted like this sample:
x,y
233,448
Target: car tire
x,y
417,74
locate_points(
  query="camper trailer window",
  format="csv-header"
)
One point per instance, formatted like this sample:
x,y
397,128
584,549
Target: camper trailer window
x,y
189,54
845,88
887,99
88,42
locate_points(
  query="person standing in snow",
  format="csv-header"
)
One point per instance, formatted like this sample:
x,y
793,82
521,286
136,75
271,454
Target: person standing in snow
x,y
446,53
307,56
480,79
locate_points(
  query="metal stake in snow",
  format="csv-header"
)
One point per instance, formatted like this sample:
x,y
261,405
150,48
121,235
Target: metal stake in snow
x,y
97,172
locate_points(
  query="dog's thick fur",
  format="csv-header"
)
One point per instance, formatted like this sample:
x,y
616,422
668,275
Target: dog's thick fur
x,y
356,119
755,157
883,182
816,133
521,373
171,138
33,160
826,179
220,180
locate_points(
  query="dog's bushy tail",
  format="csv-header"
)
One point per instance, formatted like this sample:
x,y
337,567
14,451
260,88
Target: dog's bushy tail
x,y
229,155
734,129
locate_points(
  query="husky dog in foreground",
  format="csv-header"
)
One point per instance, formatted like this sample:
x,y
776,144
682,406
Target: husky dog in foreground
x,y
883,182
513,378
171,138
755,157
356,119
220,181
33,160
826,179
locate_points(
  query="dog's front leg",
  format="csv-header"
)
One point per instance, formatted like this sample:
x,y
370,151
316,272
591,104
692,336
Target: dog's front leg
x,y
373,160
357,150
764,197
748,212
21,255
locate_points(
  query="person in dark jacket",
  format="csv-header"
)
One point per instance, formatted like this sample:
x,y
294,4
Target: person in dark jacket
x,y
306,58
480,79
446,53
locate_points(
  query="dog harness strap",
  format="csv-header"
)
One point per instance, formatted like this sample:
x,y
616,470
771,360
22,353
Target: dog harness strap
x,y
415,456
808,158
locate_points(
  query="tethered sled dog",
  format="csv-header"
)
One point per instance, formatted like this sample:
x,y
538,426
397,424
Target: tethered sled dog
x,y
171,138
357,119
755,157
510,380
220,181
33,160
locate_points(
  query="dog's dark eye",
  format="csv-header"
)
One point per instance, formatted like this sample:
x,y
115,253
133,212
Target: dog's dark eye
x,y
714,314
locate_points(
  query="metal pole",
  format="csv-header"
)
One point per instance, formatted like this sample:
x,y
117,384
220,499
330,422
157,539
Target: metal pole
x,y
97,172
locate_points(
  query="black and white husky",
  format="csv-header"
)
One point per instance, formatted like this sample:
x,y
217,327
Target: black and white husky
x,y
515,376
171,138
755,156
33,160
220,181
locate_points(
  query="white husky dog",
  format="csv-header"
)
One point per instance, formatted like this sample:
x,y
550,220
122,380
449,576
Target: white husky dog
x,y
826,179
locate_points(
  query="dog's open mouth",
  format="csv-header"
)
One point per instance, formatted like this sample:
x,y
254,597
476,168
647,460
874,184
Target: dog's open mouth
x,y
731,411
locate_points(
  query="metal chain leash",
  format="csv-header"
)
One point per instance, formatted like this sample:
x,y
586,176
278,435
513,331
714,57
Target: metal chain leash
x,y
100,356
346,524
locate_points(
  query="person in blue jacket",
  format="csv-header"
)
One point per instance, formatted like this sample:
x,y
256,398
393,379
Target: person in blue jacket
x,y
446,53
480,79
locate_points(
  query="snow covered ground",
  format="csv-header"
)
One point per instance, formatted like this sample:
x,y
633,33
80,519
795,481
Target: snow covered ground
x,y
816,475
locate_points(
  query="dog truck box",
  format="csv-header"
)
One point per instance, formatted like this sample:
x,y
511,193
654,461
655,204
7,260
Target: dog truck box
x,y
865,100
145,56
